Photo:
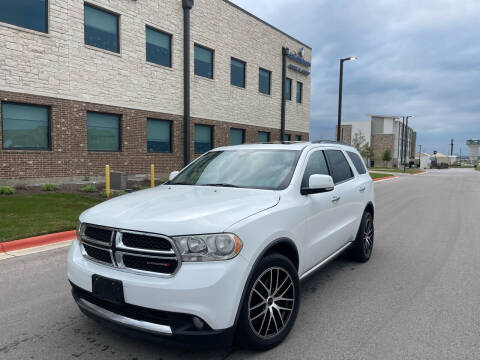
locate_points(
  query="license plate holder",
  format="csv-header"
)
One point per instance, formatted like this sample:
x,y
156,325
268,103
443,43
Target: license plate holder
x,y
106,289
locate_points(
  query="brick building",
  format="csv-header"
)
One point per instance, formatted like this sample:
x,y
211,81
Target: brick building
x,y
382,133
85,84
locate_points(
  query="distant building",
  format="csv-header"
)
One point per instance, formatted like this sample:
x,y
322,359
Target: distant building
x,y
425,160
382,133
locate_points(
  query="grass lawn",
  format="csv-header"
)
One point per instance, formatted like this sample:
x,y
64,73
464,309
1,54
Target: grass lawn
x,y
395,170
23,216
375,175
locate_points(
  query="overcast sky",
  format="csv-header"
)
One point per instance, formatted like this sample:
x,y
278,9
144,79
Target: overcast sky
x,y
417,58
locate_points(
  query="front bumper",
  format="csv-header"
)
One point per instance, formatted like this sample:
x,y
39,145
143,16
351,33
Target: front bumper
x,y
210,291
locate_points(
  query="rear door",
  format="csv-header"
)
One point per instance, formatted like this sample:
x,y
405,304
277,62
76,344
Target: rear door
x,y
363,183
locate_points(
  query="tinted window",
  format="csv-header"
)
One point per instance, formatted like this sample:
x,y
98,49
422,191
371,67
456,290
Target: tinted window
x,y
298,137
203,138
30,14
316,165
159,135
103,132
286,137
237,136
338,166
101,29
299,92
158,47
25,126
288,89
237,73
263,137
203,61
264,81
358,162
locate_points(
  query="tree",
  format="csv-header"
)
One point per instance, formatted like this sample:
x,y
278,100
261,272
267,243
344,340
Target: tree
x,y
387,156
360,143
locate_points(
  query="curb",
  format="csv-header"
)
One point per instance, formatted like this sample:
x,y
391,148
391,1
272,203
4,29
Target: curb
x,y
385,178
36,241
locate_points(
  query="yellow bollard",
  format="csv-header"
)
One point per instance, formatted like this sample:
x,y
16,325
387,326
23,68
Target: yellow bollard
x,y
152,175
107,180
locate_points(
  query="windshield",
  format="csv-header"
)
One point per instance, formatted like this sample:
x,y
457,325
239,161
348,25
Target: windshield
x,y
257,169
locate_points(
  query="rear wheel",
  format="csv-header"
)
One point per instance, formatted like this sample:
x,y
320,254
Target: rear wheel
x,y
271,303
361,249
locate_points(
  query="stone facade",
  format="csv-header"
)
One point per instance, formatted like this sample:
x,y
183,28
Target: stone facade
x,y
59,70
380,143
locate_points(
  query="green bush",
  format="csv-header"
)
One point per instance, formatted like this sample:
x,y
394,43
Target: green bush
x,y
48,187
137,187
7,190
89,188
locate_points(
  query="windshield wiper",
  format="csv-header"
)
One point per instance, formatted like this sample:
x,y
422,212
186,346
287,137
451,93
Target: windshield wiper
x,y
221,185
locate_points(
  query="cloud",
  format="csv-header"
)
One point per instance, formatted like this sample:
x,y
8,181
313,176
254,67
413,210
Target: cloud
x,y
415,57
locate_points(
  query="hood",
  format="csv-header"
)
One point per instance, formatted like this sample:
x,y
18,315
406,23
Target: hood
x,y
181,209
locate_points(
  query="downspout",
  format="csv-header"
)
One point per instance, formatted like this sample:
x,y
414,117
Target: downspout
x,y
187,6
285,52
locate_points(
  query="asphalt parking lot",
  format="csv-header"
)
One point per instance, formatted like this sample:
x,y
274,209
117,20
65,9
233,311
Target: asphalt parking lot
x,y
418,297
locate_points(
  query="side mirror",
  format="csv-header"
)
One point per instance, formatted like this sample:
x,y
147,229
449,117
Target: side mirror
x,y
173,175
318,184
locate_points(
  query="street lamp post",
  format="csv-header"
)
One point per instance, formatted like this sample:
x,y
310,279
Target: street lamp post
x,y
340,90
406,136
419,156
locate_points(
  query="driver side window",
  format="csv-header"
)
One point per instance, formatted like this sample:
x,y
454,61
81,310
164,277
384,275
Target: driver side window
x,y
316,165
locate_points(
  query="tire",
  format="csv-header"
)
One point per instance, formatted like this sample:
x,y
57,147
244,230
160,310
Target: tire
x,y
361,249
267,316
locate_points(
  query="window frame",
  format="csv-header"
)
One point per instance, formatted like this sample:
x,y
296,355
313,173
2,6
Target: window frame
x,y
244,72
299,101
49,126
212,144
94,6
264,132
331,168
170,132
290,89
230,134
120,117
170,36
47,23
213,61
260,69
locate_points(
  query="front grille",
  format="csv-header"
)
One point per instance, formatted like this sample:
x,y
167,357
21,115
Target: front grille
x,y
146,242
134,251
98,254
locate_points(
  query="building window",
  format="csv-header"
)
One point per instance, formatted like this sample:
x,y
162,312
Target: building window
x,y
237,73
237,136
299,92
25,126
159,136
101,29
29,14
263,137
103,132
286,137
298,137
159,47
203,138
203,61
288,89
264,77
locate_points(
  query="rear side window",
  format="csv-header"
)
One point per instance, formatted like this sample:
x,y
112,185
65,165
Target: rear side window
x,y
316,165
357,161
339,167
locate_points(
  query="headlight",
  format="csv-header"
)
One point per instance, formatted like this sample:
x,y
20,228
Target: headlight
x,y
211,247
79,229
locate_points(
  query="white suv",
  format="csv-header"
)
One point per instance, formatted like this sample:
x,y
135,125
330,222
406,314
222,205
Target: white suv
x,y
217,252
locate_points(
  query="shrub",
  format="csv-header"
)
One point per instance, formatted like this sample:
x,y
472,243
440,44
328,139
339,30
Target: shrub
x,y
7,190
89,188
20,186
86,178
137,187
48,187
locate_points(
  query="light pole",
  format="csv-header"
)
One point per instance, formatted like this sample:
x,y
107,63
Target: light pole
x,y
406,141
419,156
340,89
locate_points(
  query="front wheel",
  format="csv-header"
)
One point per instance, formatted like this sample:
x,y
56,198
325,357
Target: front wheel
x,y
271,303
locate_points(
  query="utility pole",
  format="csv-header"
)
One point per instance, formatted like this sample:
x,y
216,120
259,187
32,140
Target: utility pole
x,y
419,156
451,151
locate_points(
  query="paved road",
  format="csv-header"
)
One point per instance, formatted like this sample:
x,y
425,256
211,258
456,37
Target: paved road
x,y
418,298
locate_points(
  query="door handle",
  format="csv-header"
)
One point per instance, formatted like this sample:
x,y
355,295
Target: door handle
x,y
335,198
362,189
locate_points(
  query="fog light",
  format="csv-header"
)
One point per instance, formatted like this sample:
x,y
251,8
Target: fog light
x,y
198,323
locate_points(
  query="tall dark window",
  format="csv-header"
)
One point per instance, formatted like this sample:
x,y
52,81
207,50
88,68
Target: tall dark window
x,y
288,89
299,92
237,73
203,61
316,165
298,137
358,162
29,14
101,28
237,136
263,137
159,47
103,132
159,135
203,138
264,80
286,137
339,166
25,126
